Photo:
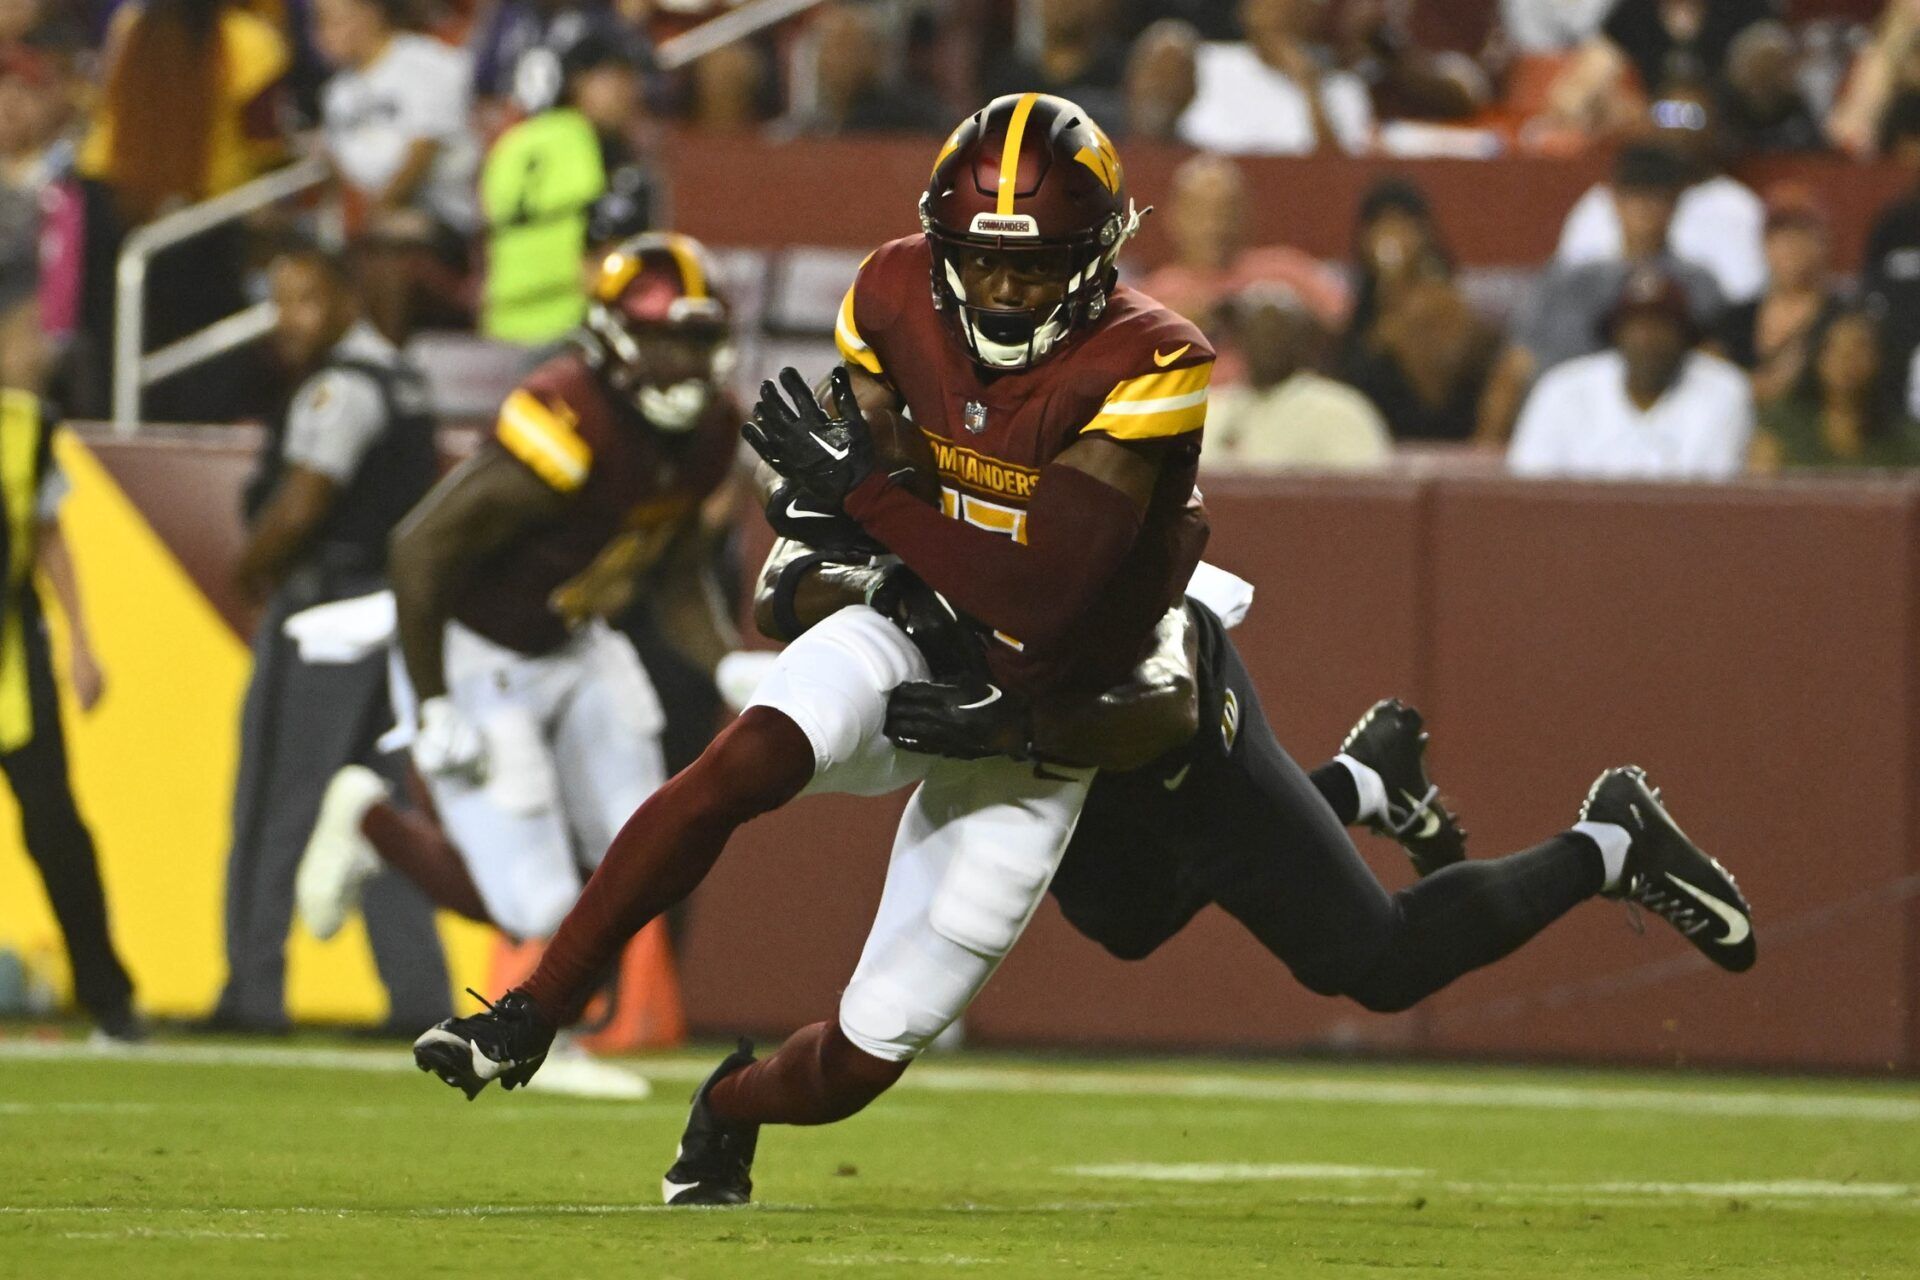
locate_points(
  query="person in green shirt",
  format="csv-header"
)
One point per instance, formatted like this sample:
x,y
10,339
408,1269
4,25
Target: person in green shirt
x,y
553,179
1846,409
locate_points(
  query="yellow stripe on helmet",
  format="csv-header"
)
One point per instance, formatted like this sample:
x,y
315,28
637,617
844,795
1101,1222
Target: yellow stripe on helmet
x,y
687,255
1010,154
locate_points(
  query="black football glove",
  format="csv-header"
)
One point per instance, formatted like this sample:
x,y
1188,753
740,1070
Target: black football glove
x,y
792,514
952,645
965,721
824,457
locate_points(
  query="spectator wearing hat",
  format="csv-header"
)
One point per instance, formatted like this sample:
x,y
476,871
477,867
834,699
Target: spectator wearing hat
x,y
550,177
1414,346
1844,410
1772,336
1717,218
1561,317
1651,406
1286,414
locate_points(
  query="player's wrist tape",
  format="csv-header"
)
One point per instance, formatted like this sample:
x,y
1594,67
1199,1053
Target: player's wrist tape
x,y
785,619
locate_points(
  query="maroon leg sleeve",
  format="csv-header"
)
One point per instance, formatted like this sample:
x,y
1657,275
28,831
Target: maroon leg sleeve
x,y
756,764
817,1077
415,846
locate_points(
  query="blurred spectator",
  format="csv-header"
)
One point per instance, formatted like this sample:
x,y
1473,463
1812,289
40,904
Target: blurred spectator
x,y
1211,260
1276,92
1414,346
32,112
1765,108
1890,275
396,123
1648,41
1376,43
1286,414
1562,316
1717,222
1885,69
188,109
855,88
350,452
1900,132
548,177
1160,81
32,743
1551,26
45,29
504,71
731,88
1772,335
1846,410
1080,58
1651,406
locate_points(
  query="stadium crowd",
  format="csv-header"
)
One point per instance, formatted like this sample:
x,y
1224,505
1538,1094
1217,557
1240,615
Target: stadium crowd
x,y
476,145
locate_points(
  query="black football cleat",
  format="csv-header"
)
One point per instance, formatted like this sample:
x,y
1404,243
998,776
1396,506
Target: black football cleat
x,y
714,1165
506,1043
1669,875
1391,741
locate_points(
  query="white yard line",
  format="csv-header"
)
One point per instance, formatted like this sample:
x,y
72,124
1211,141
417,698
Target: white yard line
x,y
1757,1103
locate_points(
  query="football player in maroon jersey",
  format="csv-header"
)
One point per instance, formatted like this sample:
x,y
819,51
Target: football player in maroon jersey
x,y
533,723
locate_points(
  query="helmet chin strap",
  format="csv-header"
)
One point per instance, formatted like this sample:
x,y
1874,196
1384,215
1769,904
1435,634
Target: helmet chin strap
x,y
1006,355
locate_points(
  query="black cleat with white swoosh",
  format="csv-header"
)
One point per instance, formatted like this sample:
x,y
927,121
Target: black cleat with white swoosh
x,y
1391,740
1669,875
714,1166
507,1043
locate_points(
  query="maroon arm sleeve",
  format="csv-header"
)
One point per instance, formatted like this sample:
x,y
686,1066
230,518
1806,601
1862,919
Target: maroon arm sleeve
x,y
1078,531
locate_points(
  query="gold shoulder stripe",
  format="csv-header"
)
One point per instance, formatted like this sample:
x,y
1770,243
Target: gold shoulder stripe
x,y
544,440
1156,404
846,336
1010,153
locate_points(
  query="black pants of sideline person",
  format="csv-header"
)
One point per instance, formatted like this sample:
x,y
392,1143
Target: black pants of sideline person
x,y
301,723
59,842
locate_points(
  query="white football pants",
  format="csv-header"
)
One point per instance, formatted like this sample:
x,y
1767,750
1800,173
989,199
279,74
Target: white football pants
x,y
975,850
573,747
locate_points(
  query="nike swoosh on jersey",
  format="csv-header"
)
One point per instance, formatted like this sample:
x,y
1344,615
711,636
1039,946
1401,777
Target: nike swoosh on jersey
x,y
1732,917
799,512
1173,783
838,455
1164,360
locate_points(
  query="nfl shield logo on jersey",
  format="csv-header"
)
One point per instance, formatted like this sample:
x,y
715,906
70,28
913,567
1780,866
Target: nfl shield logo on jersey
x,y
975,417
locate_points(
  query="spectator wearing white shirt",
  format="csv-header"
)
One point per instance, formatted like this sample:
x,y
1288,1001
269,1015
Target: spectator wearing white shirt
x,y
1272,94
396,120
1649,407
1719,222
1286,415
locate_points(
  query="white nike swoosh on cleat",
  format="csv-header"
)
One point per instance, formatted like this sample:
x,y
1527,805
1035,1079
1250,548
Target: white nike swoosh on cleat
x,y
483,1066
838,455
799,512
1736,921
1173,783
1431,826
669,1189
993,696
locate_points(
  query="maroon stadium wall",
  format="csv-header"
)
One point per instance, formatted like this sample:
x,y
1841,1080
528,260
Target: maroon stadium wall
x,y
1756,647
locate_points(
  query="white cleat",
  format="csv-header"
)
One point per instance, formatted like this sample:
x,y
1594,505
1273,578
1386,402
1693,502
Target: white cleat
x,y
570,1071
338,860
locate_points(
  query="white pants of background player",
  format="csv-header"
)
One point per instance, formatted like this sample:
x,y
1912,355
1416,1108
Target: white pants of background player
x,y
975,850
573,747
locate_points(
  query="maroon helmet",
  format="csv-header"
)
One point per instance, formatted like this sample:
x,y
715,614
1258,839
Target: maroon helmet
x,y
659,283
1028,173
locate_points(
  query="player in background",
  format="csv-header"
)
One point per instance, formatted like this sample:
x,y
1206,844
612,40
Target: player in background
x,y
1071,408
533,724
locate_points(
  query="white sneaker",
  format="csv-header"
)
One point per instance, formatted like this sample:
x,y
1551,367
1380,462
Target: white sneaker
x,y
574,1073
338,860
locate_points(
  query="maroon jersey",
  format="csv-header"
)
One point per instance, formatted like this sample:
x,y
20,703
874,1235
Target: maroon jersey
x,y
625,483
1139,373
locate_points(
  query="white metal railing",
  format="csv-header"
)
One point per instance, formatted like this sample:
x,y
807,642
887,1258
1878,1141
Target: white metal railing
x,y
134,369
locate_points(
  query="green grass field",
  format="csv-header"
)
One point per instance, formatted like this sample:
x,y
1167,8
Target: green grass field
x,y
313,1159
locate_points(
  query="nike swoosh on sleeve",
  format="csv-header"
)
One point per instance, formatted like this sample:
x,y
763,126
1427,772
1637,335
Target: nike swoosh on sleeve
x,y
1164,360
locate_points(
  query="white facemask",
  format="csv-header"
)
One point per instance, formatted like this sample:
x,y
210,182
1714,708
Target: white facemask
x,y
675,408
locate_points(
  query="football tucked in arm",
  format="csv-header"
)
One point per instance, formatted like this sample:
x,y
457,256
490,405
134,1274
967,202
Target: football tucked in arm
x,y
899,444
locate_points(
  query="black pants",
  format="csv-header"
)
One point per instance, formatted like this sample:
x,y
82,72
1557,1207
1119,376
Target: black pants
x,y
1234,821
58,841
300,723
